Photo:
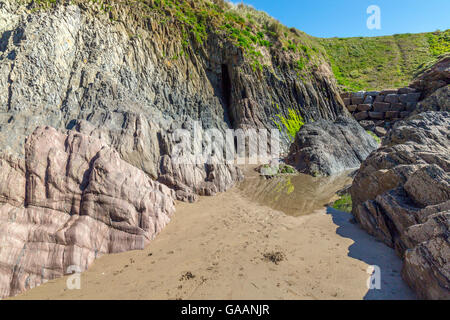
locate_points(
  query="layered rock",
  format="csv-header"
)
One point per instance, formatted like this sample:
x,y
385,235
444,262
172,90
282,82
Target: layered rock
x,y
434,83
149,147
71,200
327,148
434,77
131,80
72,63
401,195
123,81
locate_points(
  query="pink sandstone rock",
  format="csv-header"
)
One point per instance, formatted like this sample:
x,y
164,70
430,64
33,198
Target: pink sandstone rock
x,y
71,200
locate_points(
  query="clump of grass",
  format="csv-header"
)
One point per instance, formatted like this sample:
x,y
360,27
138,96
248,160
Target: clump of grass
x,y
300,65
287,169
344,203
291,124
377,138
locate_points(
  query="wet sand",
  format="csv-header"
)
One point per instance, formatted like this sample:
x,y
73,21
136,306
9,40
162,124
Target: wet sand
x,y
239,245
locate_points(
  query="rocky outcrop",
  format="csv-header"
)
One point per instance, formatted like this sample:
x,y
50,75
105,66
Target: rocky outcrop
x,y
71,200
437,101
434,77
378,111
434,83
327,148
401,195
149,147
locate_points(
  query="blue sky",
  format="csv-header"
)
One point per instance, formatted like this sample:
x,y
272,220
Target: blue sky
x,y
348,18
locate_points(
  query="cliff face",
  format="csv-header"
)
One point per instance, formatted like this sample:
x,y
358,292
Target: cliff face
x,y
72,62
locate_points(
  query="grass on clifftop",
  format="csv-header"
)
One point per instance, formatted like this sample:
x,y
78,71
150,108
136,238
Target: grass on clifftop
x,y
383,62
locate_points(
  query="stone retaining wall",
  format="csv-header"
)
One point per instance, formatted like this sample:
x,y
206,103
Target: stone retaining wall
x,y
379,110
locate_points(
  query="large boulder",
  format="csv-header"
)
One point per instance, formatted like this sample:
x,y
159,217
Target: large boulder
x,y
71,200
401,195
437,101
325,148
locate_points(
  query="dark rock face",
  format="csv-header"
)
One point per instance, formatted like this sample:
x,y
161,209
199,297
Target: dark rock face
x,y
401,195
101,73
327,148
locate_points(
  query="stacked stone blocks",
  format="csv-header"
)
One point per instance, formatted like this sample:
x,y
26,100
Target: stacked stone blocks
x,y
380,109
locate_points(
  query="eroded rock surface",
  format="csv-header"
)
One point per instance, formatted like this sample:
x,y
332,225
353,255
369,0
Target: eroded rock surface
x,y
72,63
327,148
434,77
437,101
401,195
69,201
71,66
150,147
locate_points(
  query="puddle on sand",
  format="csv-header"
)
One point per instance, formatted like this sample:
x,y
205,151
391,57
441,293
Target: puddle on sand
x,y
294,195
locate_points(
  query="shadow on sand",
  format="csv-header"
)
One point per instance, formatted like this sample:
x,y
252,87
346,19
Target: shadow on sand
x,y
375,253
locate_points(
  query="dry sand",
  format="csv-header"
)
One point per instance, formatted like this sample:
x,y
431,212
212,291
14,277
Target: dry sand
x,y
226,247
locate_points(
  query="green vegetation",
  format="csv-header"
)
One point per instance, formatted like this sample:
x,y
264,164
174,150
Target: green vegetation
x,y
285,186
343,204
383,62
281,169
439,42
287,169
377,139
291,124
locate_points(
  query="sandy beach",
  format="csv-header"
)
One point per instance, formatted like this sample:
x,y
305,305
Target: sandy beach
x,y
234,247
